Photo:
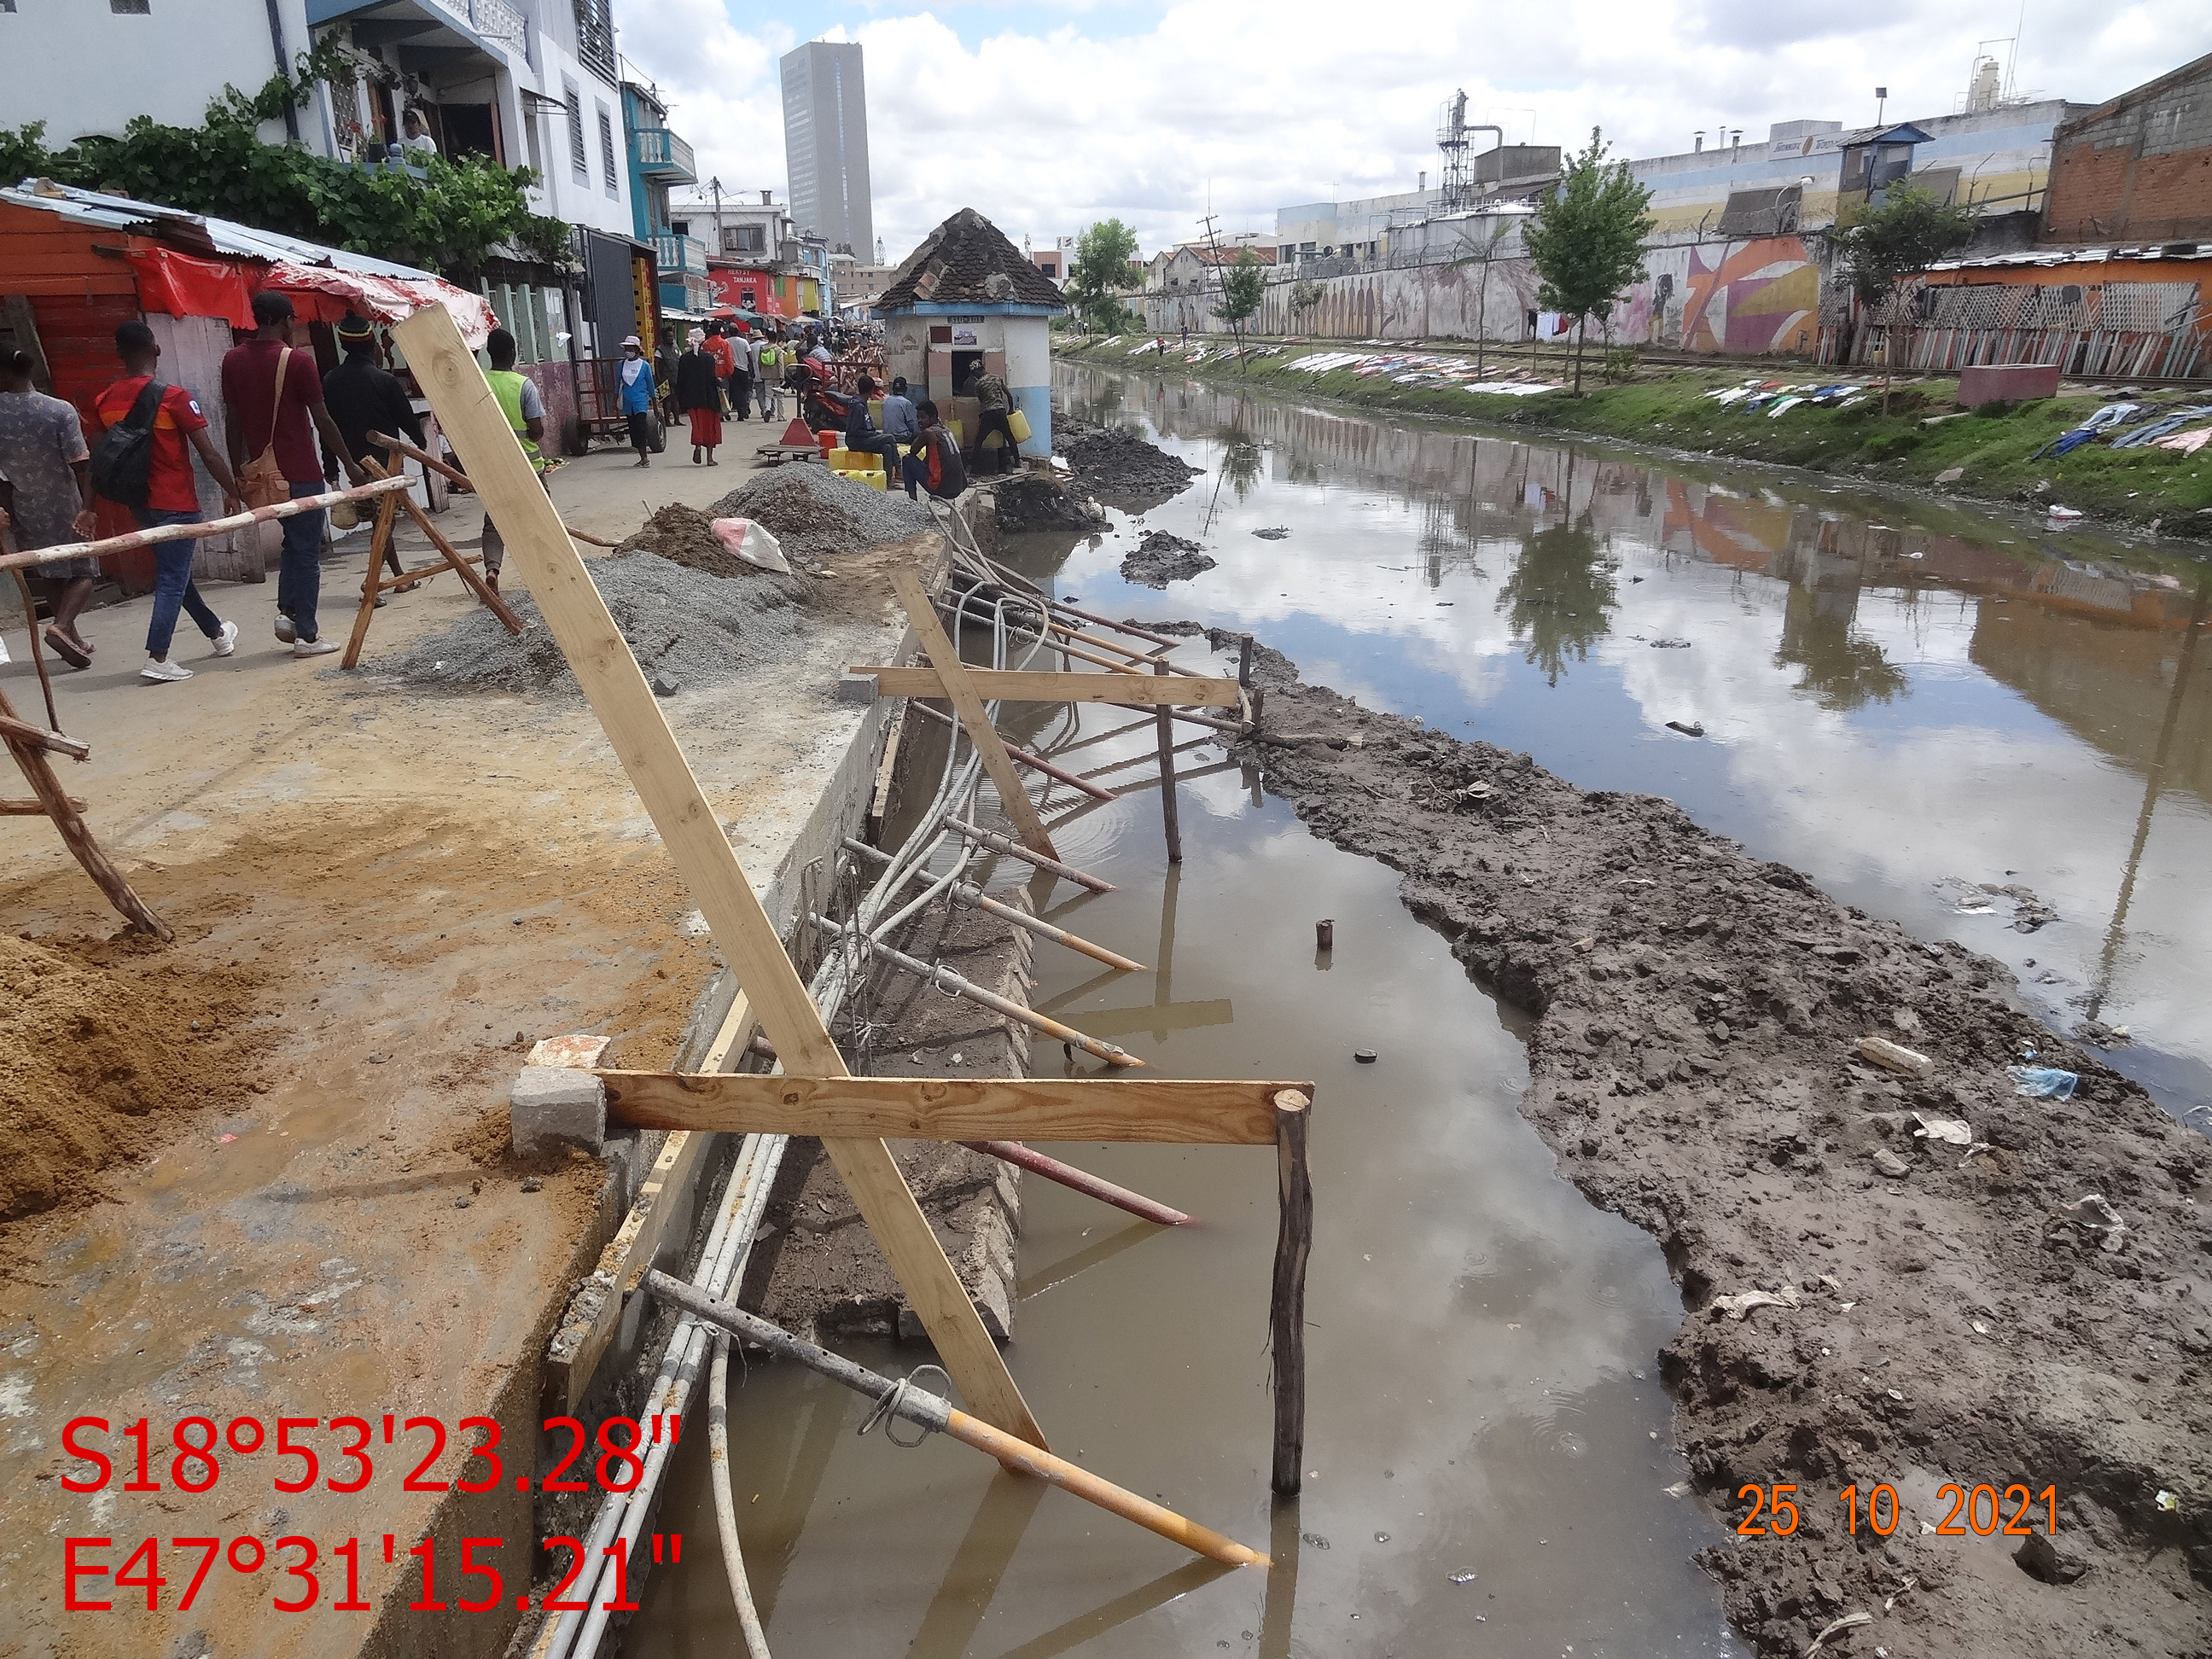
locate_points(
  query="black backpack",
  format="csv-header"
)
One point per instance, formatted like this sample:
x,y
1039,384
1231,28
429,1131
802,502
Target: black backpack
x,y
124,458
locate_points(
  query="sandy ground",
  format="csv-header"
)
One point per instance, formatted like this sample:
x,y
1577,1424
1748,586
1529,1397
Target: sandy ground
x,y
396,891
1925,1313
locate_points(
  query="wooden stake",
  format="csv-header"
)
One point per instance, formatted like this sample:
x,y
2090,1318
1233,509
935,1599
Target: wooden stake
x,y
20,731
462,567
38,646
1288,1309
953,683
371,586
69,822
1165,718
926,1411
615,686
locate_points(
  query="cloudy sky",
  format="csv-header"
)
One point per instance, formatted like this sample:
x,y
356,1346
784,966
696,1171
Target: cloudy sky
x,y
1049,114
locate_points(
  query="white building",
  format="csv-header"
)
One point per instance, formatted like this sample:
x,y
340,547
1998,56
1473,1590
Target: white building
x,y
526,82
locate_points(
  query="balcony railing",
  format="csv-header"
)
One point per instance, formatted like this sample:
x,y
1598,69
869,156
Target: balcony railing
x,y
661,154
679,256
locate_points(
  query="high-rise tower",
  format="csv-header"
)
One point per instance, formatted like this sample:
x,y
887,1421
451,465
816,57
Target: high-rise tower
x,y
825,140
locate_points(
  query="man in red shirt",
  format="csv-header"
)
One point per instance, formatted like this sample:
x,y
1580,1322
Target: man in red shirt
x,y
171,496
280,418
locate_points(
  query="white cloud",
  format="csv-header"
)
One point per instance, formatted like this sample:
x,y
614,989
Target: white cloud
x,y
1047,127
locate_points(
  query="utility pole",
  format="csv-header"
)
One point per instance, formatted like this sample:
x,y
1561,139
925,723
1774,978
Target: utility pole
x,y
715,185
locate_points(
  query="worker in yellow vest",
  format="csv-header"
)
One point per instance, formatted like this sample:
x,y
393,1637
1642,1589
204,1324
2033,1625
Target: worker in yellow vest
x,y
524,407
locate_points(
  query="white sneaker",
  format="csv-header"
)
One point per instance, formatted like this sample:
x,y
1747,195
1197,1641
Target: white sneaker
x,y
164,671
284,629
227,640
313,647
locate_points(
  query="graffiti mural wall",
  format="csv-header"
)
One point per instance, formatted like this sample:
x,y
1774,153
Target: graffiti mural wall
x,y
1763,296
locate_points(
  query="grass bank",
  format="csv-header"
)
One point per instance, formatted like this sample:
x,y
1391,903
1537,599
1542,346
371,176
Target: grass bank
x,y
1922,438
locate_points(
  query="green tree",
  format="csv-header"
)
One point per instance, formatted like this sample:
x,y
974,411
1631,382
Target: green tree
x,y
1304,297
1882,245
1482,250
448,221
1100,272
1244,290
1587,241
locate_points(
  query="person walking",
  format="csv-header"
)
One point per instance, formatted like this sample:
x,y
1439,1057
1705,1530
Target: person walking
x,y
741,363
699,395
524,405
274,393
934,463
43,454
637,398
990,391
139,400
768,377
364,397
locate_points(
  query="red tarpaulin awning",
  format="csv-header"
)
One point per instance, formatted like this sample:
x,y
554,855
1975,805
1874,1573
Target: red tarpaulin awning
x,y
184,286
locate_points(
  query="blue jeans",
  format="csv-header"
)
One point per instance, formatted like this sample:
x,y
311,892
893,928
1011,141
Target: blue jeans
x,y
300,572
172,583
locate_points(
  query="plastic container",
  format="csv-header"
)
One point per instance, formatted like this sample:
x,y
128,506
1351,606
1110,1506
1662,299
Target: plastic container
x,y
1020,424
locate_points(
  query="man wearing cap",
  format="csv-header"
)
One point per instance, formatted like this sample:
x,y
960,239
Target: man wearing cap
x,y
364,397
273,399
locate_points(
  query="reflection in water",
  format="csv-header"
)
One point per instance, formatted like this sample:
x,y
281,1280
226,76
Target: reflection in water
x,y
1842,668
1558,597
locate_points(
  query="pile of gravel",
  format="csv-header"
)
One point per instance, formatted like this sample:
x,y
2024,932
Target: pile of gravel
x,y
687,627
1161,558
814,514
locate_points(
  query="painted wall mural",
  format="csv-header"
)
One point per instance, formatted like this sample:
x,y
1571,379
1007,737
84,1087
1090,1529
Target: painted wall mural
x,y
1765,296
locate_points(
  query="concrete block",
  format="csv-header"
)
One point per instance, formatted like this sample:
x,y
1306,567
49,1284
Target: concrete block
x,y
2010,383
856,688
556,1105
581,1050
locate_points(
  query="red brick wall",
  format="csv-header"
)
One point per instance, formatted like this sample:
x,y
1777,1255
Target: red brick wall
x,y
2139,169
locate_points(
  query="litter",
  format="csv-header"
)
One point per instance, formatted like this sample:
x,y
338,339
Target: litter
x,y
2170,1502
2092,1215
751,543
1849,1621
1741,1306
1894,1056
1687,728
2064,514
2045,1082
1952,1130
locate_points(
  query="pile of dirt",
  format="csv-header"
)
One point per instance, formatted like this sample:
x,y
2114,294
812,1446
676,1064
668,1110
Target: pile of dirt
x,y
815,515
1119,464
100,1035
1889,1279
1161,558
1026,504
683,535
687,628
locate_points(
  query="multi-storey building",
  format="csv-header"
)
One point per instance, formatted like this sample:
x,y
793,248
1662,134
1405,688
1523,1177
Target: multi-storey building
x,y
825,140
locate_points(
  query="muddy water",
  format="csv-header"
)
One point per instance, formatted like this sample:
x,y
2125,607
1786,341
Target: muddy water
x,y
1907,702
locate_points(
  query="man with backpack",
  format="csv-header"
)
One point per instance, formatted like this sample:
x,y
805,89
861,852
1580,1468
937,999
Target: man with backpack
x,y
42,453
273,399
142,463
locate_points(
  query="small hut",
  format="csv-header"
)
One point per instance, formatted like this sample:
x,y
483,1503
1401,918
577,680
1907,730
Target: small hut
x,y
968,298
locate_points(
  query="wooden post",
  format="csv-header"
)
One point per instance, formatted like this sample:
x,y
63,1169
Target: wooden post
x,y
1244,660
952,675
461,566
1164,717
75,834
615,686
1287,1313
371,582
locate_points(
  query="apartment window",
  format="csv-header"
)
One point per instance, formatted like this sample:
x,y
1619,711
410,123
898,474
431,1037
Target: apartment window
x,y
744,239
122,8
607,151
578,161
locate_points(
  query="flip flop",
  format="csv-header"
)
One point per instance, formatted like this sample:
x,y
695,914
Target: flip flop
x,y
67,649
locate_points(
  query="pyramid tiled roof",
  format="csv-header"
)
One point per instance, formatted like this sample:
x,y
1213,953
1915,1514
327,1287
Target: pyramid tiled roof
x,y
961,263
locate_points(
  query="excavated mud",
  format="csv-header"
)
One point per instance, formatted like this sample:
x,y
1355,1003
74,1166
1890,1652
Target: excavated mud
x,y
1161,558
1119,464
1867,1302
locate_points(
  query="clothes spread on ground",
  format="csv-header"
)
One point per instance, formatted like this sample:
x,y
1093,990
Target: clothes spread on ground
x,y
170,487
249,385
40,438
364,397
522,403
2111,415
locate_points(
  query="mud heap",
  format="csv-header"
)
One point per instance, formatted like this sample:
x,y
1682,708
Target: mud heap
x,y
1161,558
1889,1279
100,1036
815,515
1119,465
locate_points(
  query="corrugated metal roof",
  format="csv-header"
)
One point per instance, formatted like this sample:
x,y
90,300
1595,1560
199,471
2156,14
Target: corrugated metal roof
x,y
196,231
2082,256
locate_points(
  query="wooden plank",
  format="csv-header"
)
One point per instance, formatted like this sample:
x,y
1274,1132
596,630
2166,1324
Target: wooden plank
x,y
952,680
1025,685
1287,1308
539,549
1182,1111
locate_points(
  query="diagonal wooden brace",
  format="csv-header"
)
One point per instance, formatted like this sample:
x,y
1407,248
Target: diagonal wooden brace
x,y
615,686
